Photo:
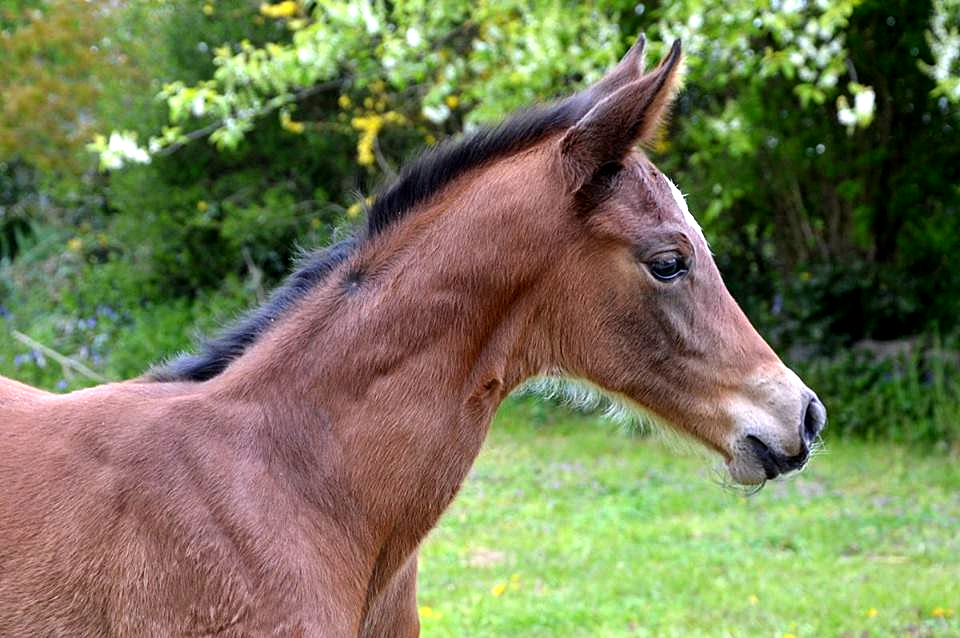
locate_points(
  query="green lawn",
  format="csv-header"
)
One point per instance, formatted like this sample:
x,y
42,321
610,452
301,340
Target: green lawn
x,y
569,527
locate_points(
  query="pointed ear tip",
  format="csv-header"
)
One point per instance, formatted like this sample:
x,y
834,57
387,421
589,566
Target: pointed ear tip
x,y
673,56
639,46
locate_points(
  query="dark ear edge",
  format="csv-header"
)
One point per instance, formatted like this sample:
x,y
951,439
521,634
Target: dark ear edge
x,y
629,68
618,122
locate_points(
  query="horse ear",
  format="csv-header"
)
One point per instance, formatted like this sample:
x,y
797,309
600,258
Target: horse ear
x,y
628,69
614,125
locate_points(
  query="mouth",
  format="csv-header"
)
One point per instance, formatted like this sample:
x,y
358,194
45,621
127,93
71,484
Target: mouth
x,y
776,464
756,462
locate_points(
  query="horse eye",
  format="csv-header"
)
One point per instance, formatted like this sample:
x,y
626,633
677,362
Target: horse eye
x,y
668,267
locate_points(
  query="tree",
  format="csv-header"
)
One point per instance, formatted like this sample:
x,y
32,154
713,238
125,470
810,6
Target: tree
x,y
58,64
800,134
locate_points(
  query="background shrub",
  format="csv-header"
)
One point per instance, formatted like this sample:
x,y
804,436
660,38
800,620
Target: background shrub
x,y
817,143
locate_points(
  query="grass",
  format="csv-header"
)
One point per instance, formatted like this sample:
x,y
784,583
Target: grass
x,y
570,528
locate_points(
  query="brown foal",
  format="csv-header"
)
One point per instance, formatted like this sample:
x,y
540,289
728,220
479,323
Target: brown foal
x,y
279,482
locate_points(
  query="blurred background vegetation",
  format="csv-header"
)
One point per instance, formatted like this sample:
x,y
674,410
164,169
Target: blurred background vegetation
x,y
161,162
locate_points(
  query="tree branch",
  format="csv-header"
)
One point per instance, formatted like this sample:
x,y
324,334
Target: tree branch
x,y
271,105
64,361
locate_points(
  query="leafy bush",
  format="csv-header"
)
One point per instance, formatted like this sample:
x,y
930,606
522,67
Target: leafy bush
x,y
94,313
817,142
911,395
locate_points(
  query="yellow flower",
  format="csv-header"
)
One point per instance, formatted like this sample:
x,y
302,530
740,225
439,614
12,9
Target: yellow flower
x,y
753,599
498,589
394,118
872,612
285,9
344,101
202,206
429,612
789,636
941,612
369,127
452,101
288,124
354,210
208,9
75,244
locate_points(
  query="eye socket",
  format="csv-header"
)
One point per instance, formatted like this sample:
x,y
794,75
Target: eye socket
x,y
668,267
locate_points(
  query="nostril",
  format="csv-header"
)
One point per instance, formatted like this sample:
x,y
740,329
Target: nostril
x,y
814,418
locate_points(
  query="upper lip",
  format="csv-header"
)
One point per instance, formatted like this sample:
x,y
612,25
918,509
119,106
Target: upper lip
x,y
775,464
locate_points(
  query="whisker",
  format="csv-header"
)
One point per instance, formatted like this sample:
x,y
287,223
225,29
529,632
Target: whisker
x,y
720,477
818,448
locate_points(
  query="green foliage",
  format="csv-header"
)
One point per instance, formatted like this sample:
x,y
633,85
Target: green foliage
x,y
799,150
911,396
819,227
94,316
817,141
943,37
439,65
18,192
58,65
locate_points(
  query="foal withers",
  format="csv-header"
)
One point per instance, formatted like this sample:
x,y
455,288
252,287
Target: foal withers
x,y
279,482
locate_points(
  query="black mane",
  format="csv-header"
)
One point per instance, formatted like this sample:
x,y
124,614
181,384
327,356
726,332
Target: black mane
x,y
426,176
216,354
440,165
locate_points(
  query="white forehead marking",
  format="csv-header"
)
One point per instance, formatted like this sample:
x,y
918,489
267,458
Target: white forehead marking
x,y
682,203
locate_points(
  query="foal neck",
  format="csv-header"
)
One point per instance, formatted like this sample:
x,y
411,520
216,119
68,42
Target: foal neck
x,y
409,347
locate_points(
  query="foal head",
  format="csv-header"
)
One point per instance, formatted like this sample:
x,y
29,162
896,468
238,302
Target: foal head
x,y
639,306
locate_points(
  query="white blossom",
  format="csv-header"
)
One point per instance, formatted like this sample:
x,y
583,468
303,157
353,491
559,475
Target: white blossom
x,y
863,104
436,114
198,107
845,114
413,38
